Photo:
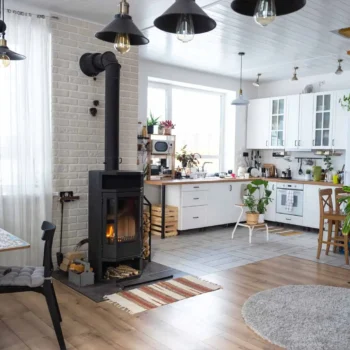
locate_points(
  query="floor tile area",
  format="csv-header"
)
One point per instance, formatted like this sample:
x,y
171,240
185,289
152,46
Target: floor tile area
x,y
213,250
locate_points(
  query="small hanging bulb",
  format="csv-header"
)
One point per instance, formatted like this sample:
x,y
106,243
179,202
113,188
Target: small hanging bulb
x,y
4,61
295,77
257,82
265,12
185,28
122,43
339,71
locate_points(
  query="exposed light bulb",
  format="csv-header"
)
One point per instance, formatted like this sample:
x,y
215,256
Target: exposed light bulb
x,y
4,61
257,81
122,43
185,28
295,76
340,69
265,12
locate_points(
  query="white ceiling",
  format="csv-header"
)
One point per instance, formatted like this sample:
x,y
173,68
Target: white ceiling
x,y
303,38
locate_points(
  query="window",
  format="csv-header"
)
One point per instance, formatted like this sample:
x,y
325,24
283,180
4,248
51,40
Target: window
x,y
198,116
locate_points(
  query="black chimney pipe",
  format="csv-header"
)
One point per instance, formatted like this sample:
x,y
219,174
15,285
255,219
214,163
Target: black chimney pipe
x,y
92,65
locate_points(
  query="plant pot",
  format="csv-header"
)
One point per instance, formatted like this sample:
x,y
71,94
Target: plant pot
x,y
166,131
261,219
150,130
307,177
252,218
160,130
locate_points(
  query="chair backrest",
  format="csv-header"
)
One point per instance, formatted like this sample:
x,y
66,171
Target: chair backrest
x,y
338,194
325,199
49,231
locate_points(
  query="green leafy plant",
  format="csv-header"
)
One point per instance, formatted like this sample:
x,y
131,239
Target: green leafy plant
x,y
345,102
152,121
346,201
328,162
187,158
308,171
260,202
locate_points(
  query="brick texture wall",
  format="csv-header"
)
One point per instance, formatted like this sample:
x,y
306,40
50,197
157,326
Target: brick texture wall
x,y
78,138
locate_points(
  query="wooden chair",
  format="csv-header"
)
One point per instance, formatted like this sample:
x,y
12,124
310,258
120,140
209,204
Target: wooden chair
x,y
334,216
36,279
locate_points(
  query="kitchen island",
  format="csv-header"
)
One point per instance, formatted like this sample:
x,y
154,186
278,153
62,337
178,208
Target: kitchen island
x,y
211,201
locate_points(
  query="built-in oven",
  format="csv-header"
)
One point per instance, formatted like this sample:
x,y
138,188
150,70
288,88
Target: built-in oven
x,y
289,199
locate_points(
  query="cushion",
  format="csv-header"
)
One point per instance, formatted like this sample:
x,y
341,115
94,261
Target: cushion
x,y
22,276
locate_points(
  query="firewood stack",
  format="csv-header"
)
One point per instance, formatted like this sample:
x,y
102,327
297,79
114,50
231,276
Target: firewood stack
x,y
146,230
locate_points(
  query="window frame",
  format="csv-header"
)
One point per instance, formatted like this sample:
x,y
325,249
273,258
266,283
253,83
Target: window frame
x,y
168,111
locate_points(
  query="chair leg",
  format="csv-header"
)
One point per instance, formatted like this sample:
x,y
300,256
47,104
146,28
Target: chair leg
x,y
54,313
56,303
234,230
346,249
267,232
329,236
320,238
336,234
250,235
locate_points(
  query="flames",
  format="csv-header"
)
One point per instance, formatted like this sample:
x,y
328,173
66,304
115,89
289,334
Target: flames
x,y
110,234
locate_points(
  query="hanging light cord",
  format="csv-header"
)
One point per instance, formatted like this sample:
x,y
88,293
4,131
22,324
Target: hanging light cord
x,y
240,79
2,9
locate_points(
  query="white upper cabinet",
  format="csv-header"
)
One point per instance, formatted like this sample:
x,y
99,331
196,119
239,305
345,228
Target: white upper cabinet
x,y
292,122
277,122
322,122
306,122
258,124
340,121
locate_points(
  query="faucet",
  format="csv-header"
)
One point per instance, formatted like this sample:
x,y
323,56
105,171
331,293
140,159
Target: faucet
x,y
204,165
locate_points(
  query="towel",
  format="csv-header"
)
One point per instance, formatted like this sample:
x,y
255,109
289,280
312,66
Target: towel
x,y
290,201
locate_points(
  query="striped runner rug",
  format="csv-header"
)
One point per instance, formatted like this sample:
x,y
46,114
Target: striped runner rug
x,y
282,231
162,293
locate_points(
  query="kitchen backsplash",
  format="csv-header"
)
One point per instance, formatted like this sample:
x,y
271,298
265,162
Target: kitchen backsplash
x,y
281,164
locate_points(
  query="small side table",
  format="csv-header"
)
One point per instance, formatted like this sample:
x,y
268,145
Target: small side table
x,y
250,227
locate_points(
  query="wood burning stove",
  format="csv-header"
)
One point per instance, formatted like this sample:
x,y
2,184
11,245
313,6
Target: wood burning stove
x,y
115,197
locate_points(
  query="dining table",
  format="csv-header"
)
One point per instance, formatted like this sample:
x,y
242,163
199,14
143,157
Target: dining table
x,y
8,242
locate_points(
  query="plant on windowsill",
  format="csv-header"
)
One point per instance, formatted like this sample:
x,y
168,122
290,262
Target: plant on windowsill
x,y
308,175
151,123
167,127
345,102
187,159
257,205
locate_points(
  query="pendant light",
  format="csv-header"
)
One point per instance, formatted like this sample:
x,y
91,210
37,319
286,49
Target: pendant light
x,y
240,101
339,71
6,55
265,11
185,19
122,31
295,76
257,81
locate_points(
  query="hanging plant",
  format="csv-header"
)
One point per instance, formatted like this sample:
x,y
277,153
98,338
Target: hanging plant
x,y
345,102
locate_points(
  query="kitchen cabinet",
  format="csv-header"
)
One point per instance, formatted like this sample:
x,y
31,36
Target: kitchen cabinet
x,y
306,122
292,122
270,214
340,121
258,124
277,122
322,120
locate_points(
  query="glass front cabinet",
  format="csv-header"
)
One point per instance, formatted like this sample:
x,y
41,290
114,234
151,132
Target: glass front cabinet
x,y
277,122
322,132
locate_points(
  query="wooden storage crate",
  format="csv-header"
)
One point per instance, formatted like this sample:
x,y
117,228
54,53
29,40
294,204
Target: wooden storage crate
x,y
171,217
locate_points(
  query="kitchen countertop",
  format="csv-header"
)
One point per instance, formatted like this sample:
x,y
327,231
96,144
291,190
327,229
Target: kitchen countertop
x,y
218,180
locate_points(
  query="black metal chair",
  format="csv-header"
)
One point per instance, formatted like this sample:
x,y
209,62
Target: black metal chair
x,y
36,279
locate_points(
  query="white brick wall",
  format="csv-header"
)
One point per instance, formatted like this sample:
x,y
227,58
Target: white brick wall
x,y
78,138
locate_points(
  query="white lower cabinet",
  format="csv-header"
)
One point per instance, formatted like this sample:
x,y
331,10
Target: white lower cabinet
x,y
193,217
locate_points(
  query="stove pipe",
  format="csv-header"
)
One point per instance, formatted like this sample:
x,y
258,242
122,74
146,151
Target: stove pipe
x,y
92,65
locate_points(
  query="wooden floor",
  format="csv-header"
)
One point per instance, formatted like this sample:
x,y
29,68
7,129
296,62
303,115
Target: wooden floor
x,y
209,321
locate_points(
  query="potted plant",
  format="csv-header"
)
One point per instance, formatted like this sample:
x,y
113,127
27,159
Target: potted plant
x,y
329,168
346,201
187,159
259,194
345,102
308,175
151,123
167,126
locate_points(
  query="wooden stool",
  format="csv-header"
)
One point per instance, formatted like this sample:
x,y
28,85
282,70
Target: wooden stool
x,y
333,217
250,227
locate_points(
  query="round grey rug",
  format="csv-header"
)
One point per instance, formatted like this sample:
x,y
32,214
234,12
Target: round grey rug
x,y
301,317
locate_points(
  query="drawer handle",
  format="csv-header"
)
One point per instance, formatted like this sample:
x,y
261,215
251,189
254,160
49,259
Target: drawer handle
x,y
195,186
195,198
288,219
196,217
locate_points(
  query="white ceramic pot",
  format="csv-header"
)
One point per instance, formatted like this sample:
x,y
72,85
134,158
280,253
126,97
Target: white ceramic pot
x,y
307,177
261,219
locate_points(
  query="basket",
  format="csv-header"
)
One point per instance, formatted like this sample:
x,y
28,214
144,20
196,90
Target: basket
x,y
171,219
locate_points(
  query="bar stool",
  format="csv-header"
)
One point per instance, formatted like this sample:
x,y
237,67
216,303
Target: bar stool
x,y
333,217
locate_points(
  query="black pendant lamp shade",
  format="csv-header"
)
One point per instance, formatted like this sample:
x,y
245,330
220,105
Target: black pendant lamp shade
x,y
169,19
122,24
283,7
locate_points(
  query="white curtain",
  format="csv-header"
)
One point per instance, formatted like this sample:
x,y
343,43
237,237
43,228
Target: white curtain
x,y
25,137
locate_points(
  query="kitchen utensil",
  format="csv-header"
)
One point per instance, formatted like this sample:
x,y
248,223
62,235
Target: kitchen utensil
x,y
255,172
300,170
317,170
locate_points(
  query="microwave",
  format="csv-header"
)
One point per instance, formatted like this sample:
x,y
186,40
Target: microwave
x,y
162,147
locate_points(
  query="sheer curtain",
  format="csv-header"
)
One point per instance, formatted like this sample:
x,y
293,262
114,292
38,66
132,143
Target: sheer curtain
x,y
25,137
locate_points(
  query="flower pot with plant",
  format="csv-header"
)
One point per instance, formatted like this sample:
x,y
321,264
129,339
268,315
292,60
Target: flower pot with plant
x,y
346,202
151,123
329,168
345,102
167,126
258,195
187,159
308,175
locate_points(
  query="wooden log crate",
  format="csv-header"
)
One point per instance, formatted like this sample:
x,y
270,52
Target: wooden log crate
x,y
171,217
